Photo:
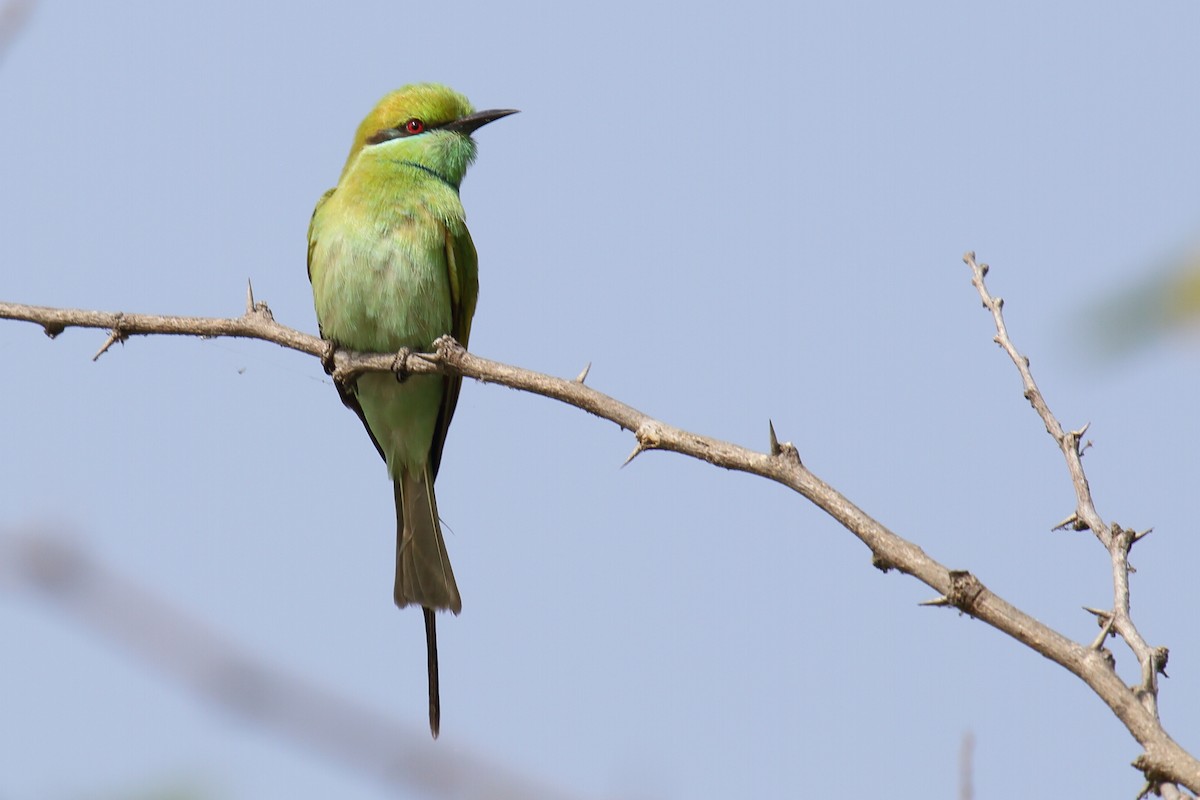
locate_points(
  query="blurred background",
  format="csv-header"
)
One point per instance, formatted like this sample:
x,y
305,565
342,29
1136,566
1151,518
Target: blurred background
x,y
736,213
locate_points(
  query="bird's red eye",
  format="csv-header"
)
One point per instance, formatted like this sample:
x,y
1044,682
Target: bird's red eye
x,y
414,126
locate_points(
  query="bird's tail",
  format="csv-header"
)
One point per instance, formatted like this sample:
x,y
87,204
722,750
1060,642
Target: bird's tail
x,y
423,573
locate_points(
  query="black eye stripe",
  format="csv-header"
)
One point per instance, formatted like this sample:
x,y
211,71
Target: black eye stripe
x,y
410,127
385,135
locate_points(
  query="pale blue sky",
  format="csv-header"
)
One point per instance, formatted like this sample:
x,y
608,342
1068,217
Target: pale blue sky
x,y
736,213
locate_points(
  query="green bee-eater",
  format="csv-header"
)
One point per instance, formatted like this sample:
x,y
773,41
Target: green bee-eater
x,y
392,266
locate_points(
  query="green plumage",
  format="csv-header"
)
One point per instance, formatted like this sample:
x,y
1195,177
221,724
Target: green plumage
x,y
392,266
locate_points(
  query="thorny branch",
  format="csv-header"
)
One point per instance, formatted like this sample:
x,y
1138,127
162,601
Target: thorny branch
x,y
1162,761
1116,540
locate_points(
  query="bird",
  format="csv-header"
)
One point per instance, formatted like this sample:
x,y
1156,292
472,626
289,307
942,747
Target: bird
x,y
393,268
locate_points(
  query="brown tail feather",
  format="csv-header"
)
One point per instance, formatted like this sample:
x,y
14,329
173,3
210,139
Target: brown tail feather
x,y
423,573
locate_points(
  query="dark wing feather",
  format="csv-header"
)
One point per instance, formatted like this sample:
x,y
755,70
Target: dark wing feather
x,y
463,266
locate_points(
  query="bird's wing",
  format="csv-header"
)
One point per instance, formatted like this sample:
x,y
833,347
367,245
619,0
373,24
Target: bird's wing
x,y
312,224
462,264
345,392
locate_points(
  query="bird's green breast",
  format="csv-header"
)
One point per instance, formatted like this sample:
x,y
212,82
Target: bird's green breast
x,y
380,274
378,266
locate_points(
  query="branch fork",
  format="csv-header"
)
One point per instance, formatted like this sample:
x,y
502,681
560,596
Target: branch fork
x,y
1159,747
1163,761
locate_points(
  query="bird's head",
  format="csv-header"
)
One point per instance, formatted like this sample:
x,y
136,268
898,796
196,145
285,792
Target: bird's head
x,y
425,124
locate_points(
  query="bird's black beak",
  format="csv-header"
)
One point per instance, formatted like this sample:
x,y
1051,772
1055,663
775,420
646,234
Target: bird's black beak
x,y
473,122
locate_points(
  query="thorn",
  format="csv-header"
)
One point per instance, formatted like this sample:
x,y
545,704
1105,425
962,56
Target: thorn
x,y
637,451
582,376
1106,630
1067,523
116,335
1077,435
775,448
937,601
1141,535
112,338
1100,613
249,297
649,437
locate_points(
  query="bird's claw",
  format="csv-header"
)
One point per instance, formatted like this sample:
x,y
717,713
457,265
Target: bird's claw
x,y
400,364
327,357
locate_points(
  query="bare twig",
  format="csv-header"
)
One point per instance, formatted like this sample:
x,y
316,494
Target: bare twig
x,y
1162,757
1116,540
1085,510
221,672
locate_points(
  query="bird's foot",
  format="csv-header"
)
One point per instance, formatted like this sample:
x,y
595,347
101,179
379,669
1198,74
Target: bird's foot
x,y
400,364
330,351
448,347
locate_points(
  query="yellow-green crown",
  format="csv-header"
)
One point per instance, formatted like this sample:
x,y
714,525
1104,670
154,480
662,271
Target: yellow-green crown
x,y
432,103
